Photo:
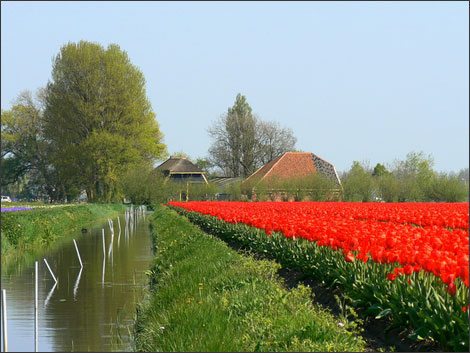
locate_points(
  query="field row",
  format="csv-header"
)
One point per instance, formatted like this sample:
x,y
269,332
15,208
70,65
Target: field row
x,y
205,297
407,295
363,235
446,215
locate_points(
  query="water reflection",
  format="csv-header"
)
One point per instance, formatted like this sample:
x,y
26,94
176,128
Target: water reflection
x,y
88,308
50,294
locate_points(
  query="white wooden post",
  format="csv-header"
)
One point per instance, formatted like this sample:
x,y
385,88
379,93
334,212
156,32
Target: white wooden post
x,y
36,338
104,246
49,268
78,253
4,320
104,258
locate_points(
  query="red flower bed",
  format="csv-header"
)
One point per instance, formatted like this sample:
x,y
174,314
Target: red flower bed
x,y
428,236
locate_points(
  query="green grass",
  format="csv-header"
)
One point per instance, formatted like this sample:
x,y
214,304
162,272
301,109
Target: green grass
x,y
27,234
207,297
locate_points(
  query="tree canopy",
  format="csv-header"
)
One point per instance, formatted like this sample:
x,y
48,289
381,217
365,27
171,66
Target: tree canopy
x,y
98,120
242,142
24,155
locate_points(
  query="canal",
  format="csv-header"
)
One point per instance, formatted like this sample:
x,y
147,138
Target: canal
x,y
91,308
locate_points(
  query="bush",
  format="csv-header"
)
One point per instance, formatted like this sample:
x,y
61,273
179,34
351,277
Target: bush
x,y
447,188
314,187
358,184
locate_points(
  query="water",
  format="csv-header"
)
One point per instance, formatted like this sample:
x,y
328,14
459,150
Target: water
x,y
90,309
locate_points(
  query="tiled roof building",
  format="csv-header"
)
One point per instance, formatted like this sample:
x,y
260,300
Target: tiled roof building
x,y
293,165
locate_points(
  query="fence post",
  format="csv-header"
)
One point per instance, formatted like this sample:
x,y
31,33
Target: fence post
x,y
36,338
104,246
78,253
104,259
4,321
52,274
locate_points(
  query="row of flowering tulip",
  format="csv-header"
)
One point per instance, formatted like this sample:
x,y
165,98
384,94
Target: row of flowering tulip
x,y
439,250
449,215
417,276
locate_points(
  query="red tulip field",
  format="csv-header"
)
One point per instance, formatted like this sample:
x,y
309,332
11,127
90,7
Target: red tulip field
x,y
406,263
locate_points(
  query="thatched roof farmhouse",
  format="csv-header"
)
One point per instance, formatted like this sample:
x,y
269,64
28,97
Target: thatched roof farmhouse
x,y
182,170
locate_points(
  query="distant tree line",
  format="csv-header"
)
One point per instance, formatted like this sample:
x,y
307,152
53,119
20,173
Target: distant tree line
x,y
412,179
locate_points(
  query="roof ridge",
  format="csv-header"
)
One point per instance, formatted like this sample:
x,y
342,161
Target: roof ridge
x,y
272,167
323,159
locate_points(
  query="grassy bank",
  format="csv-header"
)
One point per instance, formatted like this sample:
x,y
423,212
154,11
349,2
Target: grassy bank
x,y
207,297
26,234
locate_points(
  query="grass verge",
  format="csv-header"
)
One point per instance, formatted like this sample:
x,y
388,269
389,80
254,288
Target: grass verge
x,y
27,234
207,297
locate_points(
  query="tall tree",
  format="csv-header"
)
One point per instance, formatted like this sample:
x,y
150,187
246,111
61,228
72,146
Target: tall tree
x,y
25,152
234,134
98,119
274,141
242,142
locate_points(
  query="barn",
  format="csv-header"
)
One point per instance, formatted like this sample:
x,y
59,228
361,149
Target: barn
x,y
293,166
182,170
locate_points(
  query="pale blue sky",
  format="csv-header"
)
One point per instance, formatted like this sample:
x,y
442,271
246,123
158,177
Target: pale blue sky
x,y
355,81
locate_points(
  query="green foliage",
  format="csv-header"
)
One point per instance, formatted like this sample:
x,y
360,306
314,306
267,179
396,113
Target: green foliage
x,y
358,184
234,190
418,303
314,187
143,185
98,119
24,160
205,165
410,180
234,137
388,187
180,154
28,233
12,169
380,170
242,142
207,297
201,191
415,175
448,188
